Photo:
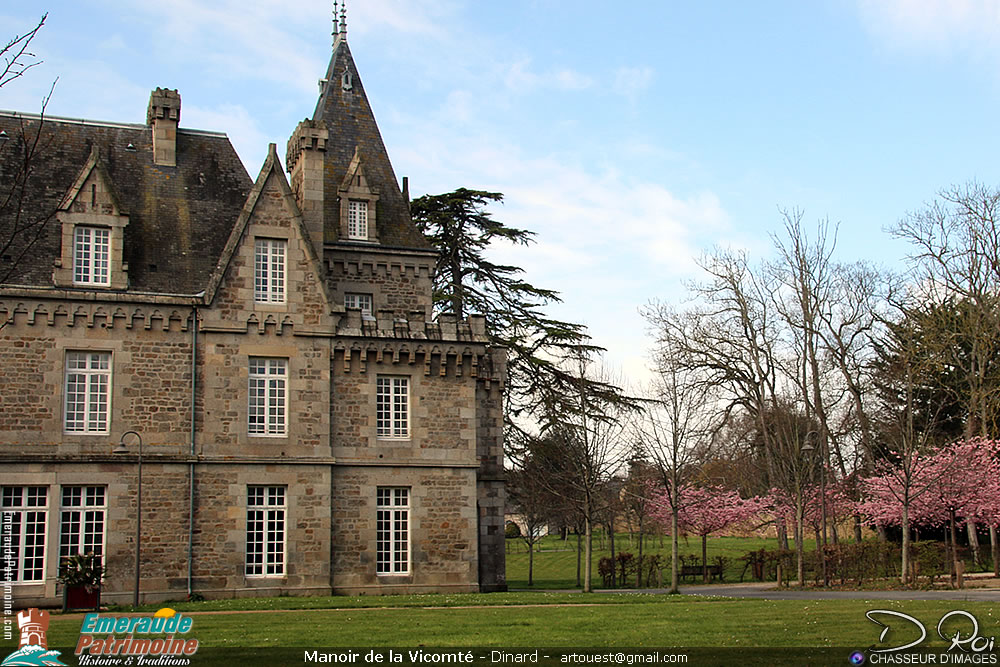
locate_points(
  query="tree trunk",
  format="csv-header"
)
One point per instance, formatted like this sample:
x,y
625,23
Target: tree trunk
x,y
905,525
614,573
819,546
579,552
799,547
782,535
638,567
995,550
588,550
973,539
531,563
857,528
954,546
704,558
675,552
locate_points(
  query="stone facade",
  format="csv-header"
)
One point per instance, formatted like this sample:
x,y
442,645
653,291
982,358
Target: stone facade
x,y
290,444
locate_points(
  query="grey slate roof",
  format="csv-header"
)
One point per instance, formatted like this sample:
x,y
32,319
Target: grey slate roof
x,y
349,118
179,217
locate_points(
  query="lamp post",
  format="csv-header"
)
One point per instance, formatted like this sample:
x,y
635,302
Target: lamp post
x,y
807,449
122,448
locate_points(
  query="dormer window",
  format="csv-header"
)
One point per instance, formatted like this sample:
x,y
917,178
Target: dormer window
x,y
93,232
357,220
358,204
92,256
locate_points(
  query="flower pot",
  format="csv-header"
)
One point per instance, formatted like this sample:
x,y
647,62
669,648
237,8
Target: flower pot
x,y
81,597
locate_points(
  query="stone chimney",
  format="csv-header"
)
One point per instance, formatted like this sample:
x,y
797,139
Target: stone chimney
x,y
163,115
304,160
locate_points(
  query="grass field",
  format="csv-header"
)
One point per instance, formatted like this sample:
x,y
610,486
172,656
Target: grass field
x,y
278,630
528,619
555,559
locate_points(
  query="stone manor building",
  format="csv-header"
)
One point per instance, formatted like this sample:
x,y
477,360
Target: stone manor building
x,y
305,425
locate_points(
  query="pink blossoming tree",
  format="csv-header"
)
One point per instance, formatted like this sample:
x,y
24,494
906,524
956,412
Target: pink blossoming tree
x,y
704,510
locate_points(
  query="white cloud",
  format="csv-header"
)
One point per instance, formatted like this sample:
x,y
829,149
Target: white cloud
x,y
113,43
521,78
249,140
941,24
260,40
631,81
422,17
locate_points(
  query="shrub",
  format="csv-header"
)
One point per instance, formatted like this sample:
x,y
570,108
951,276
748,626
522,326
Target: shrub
x,y
929,558
81,570
606,568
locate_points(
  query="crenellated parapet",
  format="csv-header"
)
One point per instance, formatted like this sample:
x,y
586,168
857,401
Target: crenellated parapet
x,y
426,358
389,324
92,315
309,135
367,268
446,347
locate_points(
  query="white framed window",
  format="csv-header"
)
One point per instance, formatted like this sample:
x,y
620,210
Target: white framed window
x,y
265,531
392,530
81,521
25,512
269,270
357,219
362,301
91,255
268,411
392,407
88,392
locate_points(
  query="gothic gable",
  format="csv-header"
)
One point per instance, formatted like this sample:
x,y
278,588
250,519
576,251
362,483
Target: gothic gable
x,y
269,276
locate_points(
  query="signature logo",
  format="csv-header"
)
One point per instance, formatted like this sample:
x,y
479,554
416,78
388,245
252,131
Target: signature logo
x,y
32,649
970,641
138,636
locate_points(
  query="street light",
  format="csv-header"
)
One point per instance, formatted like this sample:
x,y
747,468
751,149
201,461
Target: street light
x,y
122,448
807,449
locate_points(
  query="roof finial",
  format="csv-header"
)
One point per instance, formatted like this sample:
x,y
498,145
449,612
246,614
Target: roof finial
x,y
336,22
343,18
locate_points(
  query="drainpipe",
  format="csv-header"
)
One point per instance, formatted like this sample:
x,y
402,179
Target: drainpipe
x,y
194,387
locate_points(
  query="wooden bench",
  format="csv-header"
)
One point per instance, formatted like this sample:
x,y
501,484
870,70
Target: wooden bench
x,y
697,571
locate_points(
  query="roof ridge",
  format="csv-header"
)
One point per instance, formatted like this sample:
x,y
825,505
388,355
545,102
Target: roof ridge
x,y
104,123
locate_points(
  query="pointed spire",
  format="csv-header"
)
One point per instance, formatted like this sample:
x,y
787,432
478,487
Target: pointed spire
x,y
343,18
336,23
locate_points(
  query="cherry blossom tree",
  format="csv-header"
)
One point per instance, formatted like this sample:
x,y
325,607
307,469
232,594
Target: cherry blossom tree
x,y
951,484
705,510
964,474
987,509
892,494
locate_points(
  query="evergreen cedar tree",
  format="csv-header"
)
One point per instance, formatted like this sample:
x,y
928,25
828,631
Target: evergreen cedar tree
x,y
466,282
929,352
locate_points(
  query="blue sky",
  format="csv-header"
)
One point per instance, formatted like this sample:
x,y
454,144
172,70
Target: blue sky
x,y
630,138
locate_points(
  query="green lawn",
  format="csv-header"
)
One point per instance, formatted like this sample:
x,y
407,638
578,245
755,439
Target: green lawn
x,y
555,559
606,621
